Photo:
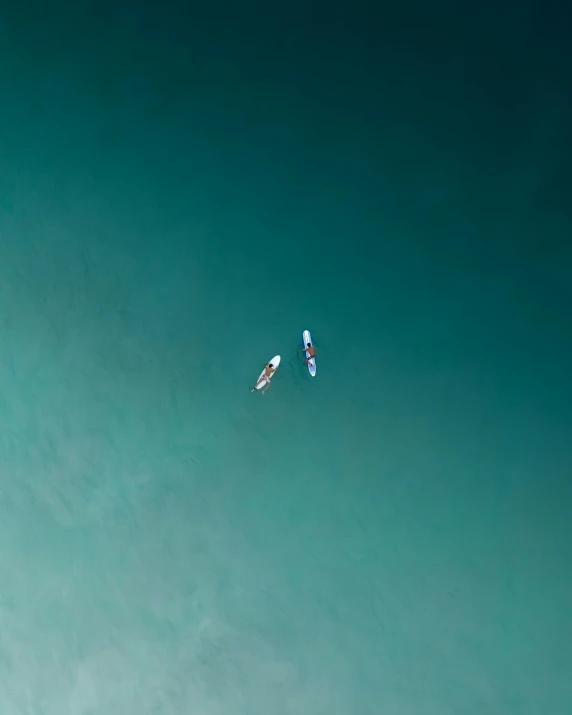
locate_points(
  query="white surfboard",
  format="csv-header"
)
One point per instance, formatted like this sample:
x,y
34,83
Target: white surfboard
x,y
307,338
275,362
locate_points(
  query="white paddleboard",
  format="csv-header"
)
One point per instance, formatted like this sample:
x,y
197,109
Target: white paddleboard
x,y
275,362
307,338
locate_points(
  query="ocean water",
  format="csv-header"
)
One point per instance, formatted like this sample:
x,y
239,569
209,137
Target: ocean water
x,y
182,192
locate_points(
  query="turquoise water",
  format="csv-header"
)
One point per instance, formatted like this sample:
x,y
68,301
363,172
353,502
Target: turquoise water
x,y
179,198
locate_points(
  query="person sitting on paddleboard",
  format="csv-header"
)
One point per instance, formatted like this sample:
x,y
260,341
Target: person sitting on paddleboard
x,y
311,350
269,370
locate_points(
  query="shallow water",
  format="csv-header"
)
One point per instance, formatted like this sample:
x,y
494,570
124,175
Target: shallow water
x,y
179,199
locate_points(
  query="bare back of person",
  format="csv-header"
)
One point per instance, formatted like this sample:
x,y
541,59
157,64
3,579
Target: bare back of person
x,y
311,350
269,370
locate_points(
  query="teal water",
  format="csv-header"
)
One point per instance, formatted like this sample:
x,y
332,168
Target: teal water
x,y
180,196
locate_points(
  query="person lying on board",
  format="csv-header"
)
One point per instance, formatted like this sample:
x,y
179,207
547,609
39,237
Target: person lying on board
x,y
269,370
311,350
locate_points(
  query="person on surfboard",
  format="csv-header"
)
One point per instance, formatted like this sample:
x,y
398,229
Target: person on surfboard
x,y
311,350
269,370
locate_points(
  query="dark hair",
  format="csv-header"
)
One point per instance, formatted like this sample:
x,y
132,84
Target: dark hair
x,y
307,345
270,364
